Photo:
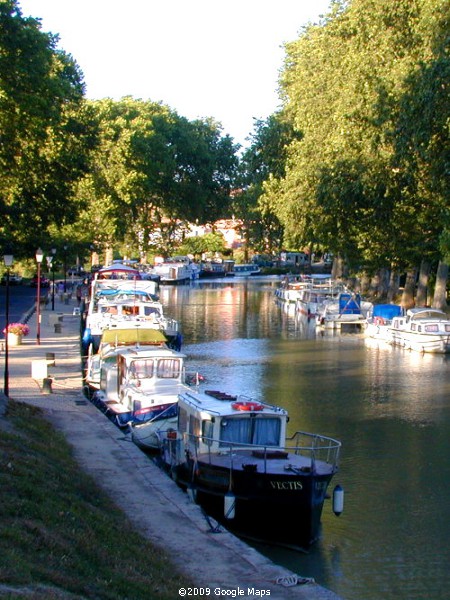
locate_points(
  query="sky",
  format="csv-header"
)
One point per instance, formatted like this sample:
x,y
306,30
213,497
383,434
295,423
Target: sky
x,y
202,58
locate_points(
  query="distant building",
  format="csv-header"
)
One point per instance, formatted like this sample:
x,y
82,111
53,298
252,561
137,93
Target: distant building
x,y
294,259
229,228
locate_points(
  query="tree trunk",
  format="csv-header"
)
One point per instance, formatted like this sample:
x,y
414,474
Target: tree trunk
x,y
440,291
374,283
109,256
422,284
394,285
364,283
337,270
95,258
408,290
379,284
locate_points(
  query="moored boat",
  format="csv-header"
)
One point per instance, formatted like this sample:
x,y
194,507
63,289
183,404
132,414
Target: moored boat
x,y
289,291
210,269
232,454
313,296
379,321
121,302
139,380
246,270
347,313
176,270
112,340
118,270
421,329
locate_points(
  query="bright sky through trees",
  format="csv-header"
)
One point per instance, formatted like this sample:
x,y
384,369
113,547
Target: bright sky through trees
x,y
203,58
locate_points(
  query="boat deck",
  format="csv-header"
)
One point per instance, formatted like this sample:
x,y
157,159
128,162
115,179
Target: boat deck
x,y
273,462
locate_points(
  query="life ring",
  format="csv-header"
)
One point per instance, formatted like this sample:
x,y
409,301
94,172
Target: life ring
x,y
378,321
250,406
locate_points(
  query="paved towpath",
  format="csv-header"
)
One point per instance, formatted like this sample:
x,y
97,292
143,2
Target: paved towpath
x,y
159,510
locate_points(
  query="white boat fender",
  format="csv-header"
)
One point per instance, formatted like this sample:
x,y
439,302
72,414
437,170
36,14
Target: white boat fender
x,y
229,505
338,500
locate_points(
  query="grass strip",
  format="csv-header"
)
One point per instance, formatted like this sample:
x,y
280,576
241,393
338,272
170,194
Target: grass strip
x,y
60,534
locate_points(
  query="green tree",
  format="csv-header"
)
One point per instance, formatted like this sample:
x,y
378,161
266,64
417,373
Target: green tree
x,y
266,157
152,170
46,134
344,87
210,242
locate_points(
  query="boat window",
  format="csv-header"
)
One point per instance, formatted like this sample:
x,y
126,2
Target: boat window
x,y
267,432
151,310
103,379
207,432
447,328
182,420
262,431
168,368
141,369
236,430
194,425
431,328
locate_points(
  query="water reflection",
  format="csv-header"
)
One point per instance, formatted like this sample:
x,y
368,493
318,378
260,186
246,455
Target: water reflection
x,y
390,408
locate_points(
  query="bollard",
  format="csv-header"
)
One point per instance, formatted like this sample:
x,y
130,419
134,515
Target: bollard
x,y
58,327
47,386
39,369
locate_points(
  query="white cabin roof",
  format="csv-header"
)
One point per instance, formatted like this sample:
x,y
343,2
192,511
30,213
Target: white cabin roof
x,y
427,313
223,404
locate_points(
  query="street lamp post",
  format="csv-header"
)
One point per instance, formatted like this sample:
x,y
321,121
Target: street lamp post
x,y
39,257
49,263
65,268
8,260
53,278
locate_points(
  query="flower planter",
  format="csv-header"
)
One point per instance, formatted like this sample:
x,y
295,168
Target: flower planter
x,y
14,339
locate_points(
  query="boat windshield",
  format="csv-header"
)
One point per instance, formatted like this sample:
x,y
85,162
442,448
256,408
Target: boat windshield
x,y
151,310
261,431
141,369
166,368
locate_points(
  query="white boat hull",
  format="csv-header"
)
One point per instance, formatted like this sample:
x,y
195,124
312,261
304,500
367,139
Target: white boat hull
x,y
421,342
422,330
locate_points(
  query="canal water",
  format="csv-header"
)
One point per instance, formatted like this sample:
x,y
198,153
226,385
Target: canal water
x,y
389,407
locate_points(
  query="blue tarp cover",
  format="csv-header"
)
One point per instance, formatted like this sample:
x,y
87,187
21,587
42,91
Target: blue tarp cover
x,y
350,304
387,311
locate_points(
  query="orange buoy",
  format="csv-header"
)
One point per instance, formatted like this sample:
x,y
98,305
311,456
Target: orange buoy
x,y
247,405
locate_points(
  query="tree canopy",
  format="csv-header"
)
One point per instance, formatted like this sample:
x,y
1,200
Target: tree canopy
x,y
46,134
366,93
356,161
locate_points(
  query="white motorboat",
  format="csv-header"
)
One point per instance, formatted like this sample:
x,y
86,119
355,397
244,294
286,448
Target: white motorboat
x,y
379,321
112,340
347,313
176,270
140,383
422,329
245,270
312,297
232,454
113,303
289,291
119,270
